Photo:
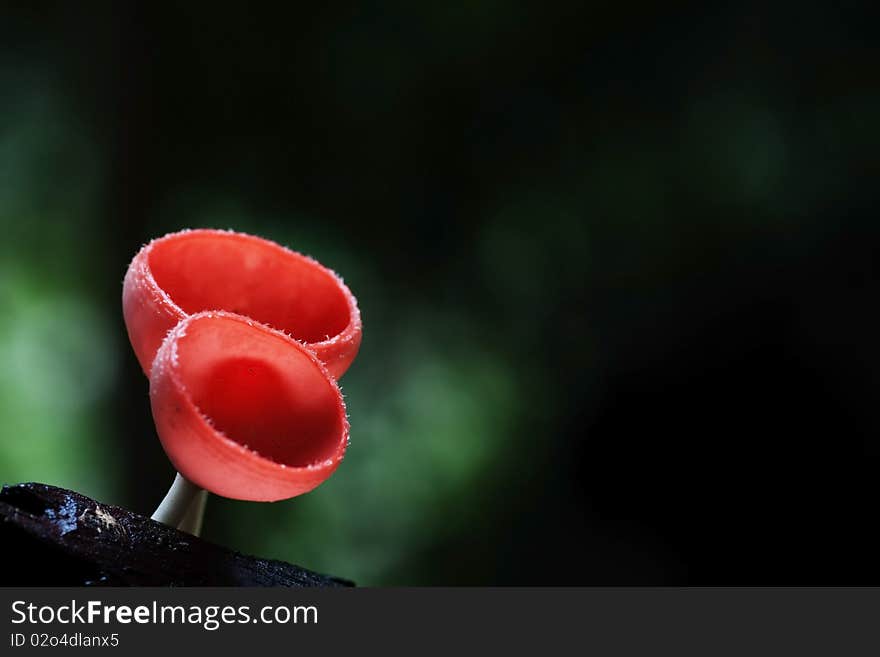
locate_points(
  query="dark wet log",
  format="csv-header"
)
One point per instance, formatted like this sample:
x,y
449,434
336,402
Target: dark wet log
x,y
56,537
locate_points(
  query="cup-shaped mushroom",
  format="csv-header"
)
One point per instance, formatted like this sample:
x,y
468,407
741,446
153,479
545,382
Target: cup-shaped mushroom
x,y
199,270
245,411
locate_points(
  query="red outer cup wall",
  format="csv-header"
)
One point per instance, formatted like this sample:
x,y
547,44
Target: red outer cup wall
x,y
148,311
199,270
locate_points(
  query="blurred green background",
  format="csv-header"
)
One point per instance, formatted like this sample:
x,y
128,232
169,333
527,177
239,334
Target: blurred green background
x,y
616,267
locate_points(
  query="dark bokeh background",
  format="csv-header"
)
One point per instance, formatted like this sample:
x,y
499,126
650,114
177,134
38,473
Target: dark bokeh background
x,y
616,266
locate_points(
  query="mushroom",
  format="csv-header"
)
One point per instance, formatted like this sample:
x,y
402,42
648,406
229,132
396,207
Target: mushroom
x,y
194,270
242,341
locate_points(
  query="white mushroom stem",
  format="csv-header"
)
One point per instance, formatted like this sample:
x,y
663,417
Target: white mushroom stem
x,y
192,521
183,506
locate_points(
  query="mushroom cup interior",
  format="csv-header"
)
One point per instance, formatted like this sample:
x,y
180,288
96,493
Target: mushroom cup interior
x,y
261,390
213,270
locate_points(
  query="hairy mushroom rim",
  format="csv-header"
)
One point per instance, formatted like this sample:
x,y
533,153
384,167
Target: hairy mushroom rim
x,y
216,270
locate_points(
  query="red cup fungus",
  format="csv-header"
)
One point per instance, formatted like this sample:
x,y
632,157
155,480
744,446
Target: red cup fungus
x,y
196,270
242,340
244,411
